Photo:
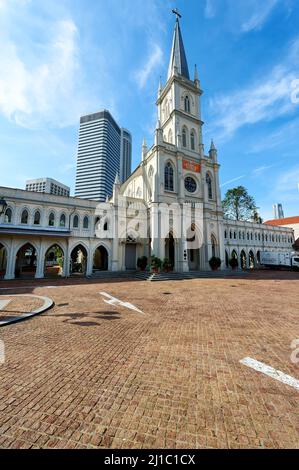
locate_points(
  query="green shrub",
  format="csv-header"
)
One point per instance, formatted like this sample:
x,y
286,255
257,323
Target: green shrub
x,y
215,262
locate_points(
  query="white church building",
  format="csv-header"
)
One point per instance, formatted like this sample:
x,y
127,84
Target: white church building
x,y
169,207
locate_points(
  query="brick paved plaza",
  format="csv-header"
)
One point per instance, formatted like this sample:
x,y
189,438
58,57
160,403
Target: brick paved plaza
x,y
87,374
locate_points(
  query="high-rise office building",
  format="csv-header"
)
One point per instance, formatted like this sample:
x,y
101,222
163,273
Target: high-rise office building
x,y
47,185
99,156
125,155
278,211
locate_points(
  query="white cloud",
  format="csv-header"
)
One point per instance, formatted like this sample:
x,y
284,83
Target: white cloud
x,y
286,134
43,92
232,181
210,9
154,60
261,12
261,101
288,181
284,190
242,16
261,169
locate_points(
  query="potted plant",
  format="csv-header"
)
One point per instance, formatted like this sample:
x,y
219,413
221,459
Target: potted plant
x,y
167,265
233,262
215,263
156,264
142,263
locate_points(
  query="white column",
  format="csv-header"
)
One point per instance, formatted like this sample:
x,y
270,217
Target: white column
x,y
11,259
89,262
183,265
221,245
39,274
115,241
66,263
155,231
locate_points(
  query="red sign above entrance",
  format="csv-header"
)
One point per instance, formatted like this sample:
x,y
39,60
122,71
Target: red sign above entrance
x,y
191,166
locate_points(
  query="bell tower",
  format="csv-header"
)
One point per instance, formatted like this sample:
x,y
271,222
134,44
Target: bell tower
x,y
179,109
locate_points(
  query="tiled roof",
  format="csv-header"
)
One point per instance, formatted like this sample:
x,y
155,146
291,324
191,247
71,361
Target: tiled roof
x,y
286,221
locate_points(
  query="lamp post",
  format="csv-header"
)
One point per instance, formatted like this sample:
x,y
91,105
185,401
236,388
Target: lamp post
x,y
3,206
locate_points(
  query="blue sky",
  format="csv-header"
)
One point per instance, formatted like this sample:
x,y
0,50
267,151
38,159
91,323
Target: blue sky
x,y
63,58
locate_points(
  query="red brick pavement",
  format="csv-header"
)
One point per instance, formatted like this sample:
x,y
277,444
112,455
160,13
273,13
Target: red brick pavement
x,y
86,374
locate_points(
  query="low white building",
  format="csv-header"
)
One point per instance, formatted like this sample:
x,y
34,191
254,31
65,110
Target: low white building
x,y
289,222
47,185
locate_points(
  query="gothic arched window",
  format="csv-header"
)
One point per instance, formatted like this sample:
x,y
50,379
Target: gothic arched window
x,y
192,140
37,218
168,177
85,222
51,220
62,220
184,137
8,216
214,245
187,104
24,217
209,184
76,222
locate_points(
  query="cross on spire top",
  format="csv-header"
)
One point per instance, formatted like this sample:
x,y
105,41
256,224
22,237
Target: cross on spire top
x,y
177,13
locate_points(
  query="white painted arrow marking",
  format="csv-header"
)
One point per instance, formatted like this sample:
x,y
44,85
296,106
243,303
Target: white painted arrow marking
x,y
116,302
271,372
4,303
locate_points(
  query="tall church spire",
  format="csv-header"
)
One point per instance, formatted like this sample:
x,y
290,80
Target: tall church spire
x,y
178,55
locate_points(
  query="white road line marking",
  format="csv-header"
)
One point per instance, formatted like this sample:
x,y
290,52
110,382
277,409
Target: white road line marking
x,y
114,301
271,372
46,305
4,303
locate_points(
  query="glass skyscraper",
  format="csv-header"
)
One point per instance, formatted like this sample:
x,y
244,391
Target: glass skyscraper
x,y
99,156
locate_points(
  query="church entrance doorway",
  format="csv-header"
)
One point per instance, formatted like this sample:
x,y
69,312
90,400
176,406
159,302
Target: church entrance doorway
x,y
170,249
100,259
130,257
193,260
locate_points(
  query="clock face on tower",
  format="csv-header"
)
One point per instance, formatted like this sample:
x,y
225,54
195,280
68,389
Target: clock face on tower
x,y
190,184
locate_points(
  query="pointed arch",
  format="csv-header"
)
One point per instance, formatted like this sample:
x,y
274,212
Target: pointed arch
x,y
3,260
187,106
24,217
51,221
101,258
37,217
243,260
26,261
209,185
170,249
8,216
226,259
251,260
54,261
86,223
62,221
214,245
78,260
185,137
258,257
169,177
193,139
76,221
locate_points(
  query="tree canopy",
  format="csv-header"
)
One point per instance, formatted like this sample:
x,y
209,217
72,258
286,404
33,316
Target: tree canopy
x,y
239,205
